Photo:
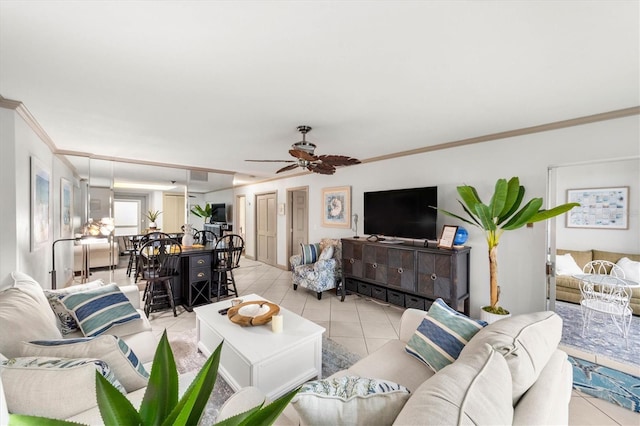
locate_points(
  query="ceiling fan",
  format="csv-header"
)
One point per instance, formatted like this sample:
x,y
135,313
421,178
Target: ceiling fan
x,y
303,152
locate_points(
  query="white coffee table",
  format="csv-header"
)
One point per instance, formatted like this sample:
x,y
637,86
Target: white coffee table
x,y
276,363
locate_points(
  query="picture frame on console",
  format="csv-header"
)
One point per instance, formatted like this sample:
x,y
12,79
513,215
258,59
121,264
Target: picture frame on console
x,y
66,195
336,207
447,236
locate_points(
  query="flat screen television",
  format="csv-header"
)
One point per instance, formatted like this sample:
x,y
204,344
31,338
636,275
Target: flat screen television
x,y
402,213
218,213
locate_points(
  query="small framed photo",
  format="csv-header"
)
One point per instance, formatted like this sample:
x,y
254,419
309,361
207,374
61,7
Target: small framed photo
x,y
447,236
604,208
336,207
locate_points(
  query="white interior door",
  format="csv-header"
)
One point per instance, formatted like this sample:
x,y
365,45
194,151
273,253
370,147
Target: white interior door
x,y
266,234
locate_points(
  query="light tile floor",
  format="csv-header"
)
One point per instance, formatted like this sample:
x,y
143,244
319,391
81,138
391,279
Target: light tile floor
x,y
361,325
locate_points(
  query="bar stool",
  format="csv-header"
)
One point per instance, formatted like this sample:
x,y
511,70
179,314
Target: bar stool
x,y
161,265
227,254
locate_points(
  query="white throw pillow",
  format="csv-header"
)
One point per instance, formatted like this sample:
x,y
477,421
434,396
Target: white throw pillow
x,y
630,268
52,387
124,363
566,265
22,318
475,390
350,400
327,253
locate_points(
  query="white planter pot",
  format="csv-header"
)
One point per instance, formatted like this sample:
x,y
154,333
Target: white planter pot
x,y
490,317
152,225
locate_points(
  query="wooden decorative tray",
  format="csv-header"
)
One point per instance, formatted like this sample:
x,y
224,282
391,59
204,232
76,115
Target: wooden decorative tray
x,y
257,312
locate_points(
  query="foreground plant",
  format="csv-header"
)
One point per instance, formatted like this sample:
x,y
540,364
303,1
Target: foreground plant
x,y
503,213
160,405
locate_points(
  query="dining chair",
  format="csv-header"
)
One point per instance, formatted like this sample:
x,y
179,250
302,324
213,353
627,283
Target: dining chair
x,y
204,237
227,253
161,266
140,260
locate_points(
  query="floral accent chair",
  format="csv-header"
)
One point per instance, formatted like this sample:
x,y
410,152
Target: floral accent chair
x,y
318,267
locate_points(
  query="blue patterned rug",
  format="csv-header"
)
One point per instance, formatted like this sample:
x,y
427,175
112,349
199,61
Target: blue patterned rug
x,y
605,383
602,338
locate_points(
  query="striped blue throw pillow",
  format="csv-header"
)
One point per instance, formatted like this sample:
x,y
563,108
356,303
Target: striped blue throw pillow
x,y
99,309
441,335
310,253
113,350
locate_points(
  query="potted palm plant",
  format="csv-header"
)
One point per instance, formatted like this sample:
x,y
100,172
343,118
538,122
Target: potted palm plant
x,y
153,215
205,212
503,213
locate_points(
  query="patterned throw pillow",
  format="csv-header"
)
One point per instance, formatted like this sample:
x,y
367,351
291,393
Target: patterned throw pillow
x,y
441,335
67,323
309,253
124,363
99,309
327,253
350,400
62,387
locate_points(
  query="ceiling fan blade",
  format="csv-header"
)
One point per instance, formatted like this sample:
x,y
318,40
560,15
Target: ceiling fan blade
x,y
338,160
322,168
272,161
286,168
302,154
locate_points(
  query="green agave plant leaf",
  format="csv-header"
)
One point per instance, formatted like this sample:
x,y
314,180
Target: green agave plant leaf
x,y
115,408
161,395
193,402
24,420
261,415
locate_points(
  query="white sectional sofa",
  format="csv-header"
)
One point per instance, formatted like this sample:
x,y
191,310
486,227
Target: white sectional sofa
x,y
98,255
510,372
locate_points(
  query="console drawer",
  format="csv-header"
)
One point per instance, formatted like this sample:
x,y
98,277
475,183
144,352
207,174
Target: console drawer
x,y
414,302
200,261
395,298
379,293
364,288
199,274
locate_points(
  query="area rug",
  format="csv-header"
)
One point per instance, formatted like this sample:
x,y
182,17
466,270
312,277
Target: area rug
x,y
605,383
602,338
335,357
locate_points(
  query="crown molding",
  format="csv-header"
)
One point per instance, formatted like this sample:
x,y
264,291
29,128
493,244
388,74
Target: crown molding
x,y
579,121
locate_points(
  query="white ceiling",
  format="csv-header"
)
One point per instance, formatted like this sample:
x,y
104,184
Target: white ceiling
x,y
211,84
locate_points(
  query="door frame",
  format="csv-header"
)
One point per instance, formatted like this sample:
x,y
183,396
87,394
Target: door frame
x,y
289,219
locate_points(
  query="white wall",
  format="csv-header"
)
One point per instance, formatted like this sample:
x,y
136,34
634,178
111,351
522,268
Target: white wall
x,y
599,175
522,252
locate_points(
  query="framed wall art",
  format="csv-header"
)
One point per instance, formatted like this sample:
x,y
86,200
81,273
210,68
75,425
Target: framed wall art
x,y
66,195
336,207
605,208
40,201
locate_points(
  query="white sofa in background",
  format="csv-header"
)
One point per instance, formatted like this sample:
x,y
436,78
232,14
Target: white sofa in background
x,y
510,372
98,255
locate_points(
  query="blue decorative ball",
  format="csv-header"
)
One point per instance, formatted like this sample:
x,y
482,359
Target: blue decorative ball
x,y
461,236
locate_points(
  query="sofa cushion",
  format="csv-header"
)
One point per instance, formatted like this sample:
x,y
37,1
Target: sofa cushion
x,y
58,384
462,392
66,322
441,335
326,254
124,363
99,309
630,268
581,257
613,257
349,400
22,318
566,265
526,341
309,253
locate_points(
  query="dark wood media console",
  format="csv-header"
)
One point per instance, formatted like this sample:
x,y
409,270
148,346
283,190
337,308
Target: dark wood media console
x,y
407,274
